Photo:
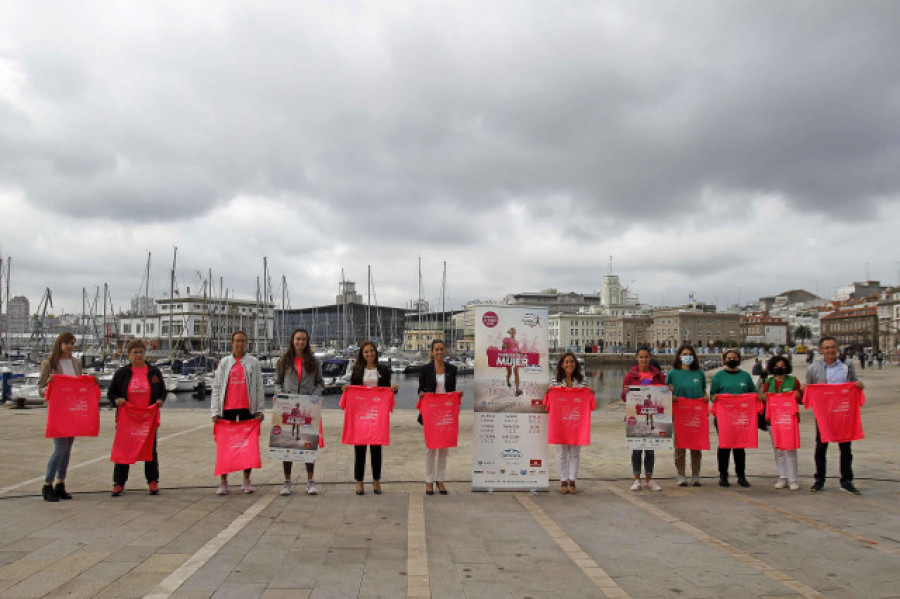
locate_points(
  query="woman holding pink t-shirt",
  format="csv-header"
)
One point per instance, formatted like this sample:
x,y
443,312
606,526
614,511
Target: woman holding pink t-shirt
x,y
141,384
511,344
237,394
568,457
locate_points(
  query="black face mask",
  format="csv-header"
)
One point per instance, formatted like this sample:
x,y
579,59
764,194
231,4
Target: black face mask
x,y
779,370
732,363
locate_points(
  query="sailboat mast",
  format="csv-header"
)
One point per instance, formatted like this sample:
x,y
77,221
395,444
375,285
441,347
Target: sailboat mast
x,y
8,267
443,301
172,299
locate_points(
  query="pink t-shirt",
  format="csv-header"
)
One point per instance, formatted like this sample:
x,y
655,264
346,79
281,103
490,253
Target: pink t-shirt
x,y
691,421
510,344
139,387
440,418
736,419
781,412
570,415
298,366
236,396
367,415
836,407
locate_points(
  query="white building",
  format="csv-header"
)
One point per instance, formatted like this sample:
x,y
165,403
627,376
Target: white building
x,y
573,332
197,323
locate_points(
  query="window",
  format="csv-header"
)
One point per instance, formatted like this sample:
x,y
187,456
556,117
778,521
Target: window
x,y
126,328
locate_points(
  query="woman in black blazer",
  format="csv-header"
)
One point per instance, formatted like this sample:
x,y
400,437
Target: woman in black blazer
x,y
367,371
436,377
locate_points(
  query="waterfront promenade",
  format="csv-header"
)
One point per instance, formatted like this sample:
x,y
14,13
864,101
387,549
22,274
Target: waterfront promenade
x,y
606,541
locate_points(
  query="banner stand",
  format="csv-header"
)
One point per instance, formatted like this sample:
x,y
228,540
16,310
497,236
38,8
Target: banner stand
x,y
510,451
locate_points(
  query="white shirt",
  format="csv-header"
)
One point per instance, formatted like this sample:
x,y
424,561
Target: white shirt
x,y
370,377
67,366
441,380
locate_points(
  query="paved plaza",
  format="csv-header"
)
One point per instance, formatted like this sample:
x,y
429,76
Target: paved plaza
x,y
605,542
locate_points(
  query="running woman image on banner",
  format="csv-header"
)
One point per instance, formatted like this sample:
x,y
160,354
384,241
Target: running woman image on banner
x,y
511,363
294,436
648,417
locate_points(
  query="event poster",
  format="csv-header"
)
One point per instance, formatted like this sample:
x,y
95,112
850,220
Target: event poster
x,y
648,417
511,375
295,428
511,359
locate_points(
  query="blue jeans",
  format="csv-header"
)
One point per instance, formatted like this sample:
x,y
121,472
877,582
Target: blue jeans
x,y
59,460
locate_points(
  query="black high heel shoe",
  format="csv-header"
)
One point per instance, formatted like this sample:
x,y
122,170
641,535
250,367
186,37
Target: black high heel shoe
x,y
442,489
429,488
376,487
359,489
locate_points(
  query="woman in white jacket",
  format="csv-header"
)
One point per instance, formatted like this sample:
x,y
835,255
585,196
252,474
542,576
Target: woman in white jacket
x,y
237,394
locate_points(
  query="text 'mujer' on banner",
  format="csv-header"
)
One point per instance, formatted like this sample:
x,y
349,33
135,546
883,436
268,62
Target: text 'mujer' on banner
x,y
511,375
296,428
648,417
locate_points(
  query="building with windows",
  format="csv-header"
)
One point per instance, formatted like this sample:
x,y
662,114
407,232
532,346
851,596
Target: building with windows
x,y
194,323
627,333
764,329
575,332
700,326
854,327
342,325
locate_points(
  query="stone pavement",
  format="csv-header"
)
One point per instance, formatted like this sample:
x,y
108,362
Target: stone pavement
x,y
607,541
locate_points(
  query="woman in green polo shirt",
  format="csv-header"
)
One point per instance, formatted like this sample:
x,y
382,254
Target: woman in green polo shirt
x,y
731,380
688,381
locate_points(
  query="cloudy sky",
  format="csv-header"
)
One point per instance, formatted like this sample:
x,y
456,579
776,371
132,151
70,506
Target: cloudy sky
x,y
726,148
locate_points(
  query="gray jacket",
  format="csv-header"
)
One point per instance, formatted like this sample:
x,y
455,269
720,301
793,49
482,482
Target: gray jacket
x,y
308,385
254,384
816,373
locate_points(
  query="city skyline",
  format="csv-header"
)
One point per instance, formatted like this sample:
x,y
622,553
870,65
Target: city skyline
x,y
729,151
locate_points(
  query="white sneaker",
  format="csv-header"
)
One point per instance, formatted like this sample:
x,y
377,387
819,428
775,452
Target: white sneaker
x,y
247,486
223,489
652,486
286,488
636,486
782,483
794,485
311,488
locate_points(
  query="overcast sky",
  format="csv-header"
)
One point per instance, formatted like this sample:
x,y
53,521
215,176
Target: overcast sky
x,y
724,148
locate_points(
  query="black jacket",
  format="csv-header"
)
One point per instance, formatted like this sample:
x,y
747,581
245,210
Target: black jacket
x,y
428,378
119,386
384,376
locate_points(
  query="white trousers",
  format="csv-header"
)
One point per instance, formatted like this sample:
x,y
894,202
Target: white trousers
x,y
435,464
567,460
786,460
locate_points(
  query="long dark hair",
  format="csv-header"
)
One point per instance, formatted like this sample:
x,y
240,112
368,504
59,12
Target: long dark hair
x,y
676,363
561,374
308,360
56,352
360,364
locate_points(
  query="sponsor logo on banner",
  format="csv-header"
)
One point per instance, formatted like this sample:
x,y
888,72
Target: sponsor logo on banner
x,y
530,319
511,454
490,319
535,463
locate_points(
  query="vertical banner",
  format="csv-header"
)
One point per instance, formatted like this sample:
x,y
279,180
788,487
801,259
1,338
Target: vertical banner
x,y
511,375
648,417
294,436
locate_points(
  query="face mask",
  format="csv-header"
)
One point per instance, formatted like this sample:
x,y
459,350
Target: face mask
x,y
732,363
687,359
779,370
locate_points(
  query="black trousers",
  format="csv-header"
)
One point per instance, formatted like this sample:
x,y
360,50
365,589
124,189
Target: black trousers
x,y
740,461
821,462
724,456
151,469
359,463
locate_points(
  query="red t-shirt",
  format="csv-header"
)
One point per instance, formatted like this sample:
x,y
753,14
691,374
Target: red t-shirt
x,y
691,422
367,415
236,396
139,387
